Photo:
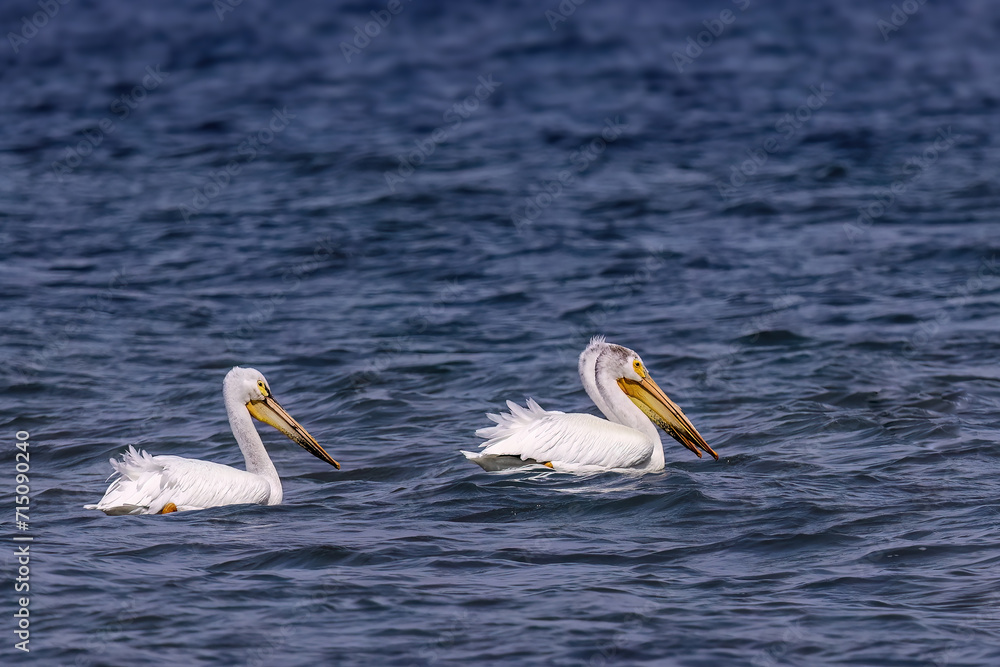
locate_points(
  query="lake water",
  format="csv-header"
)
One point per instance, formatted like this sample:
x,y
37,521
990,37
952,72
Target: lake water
x,y
789,210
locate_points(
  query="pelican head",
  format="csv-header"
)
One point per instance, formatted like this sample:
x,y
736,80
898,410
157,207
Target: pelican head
x,y
625,367
250,388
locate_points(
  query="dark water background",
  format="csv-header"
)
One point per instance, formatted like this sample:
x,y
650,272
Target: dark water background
x,y
844,368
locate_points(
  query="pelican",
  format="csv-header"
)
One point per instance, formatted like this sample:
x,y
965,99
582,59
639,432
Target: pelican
x,y
620,386
162,484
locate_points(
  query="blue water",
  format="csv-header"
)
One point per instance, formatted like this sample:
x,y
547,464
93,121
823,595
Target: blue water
x,y
796,229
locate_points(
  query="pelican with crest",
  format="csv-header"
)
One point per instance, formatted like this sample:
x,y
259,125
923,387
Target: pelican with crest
x,y
620,386
162,484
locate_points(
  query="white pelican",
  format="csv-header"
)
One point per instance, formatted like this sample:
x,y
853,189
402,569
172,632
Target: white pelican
x,y
619,384
161,484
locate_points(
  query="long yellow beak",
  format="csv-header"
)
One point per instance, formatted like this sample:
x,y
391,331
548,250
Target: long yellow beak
x,y
270,412
663,412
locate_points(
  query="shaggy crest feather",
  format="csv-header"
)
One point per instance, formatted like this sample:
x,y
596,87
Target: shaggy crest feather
x,y
509,423
135,462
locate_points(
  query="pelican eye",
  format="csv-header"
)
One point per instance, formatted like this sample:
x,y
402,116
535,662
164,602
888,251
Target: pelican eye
x,y
637,365
262,387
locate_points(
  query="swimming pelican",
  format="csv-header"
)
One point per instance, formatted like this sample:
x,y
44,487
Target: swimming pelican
x,y
161,484
619,384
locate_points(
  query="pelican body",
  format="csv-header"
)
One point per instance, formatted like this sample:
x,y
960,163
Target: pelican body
x,y
620,386
161,484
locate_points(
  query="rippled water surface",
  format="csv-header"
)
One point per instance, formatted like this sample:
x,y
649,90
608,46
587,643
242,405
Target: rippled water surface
x,y
793,221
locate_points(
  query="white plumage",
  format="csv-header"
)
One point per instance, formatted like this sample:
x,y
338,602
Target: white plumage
x,y
146,484
618,383
154,484
574,441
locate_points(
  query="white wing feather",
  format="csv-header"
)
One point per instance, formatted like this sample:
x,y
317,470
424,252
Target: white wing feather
x,y
568,441
146,483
